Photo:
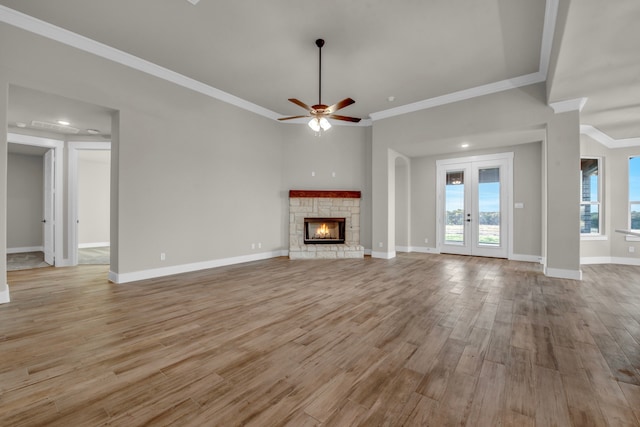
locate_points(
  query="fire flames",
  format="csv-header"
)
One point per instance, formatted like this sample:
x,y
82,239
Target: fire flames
x,y
323,232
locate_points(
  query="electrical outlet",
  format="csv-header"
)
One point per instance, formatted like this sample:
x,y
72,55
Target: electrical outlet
x,y
632,249
259,245
163,256
253,246
380,244
426,240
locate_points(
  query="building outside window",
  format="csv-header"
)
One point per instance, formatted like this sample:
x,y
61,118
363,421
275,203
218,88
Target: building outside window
x,y
590,203
634,193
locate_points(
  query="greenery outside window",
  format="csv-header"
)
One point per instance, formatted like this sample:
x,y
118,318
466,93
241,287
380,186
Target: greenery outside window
x,y
634,193
590,199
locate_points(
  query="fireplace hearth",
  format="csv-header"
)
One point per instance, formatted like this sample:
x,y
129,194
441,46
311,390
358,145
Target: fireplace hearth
x,y
324,224
323,230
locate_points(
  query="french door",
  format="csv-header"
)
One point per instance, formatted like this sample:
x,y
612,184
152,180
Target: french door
x,y
473,205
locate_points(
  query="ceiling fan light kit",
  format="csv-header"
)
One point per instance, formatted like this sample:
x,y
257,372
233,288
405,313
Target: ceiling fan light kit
x,y
320,112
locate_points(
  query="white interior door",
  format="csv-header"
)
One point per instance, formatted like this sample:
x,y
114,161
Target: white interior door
x,y
473,207
48,214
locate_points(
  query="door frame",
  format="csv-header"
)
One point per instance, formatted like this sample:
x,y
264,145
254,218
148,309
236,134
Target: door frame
x,y
58,167
508,191
72,182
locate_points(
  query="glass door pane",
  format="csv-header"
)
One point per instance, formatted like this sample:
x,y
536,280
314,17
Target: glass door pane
x,y
454,208
489,207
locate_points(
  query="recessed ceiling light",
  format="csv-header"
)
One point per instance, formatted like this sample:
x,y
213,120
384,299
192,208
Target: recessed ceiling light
x,y
63,122
464,145
93,131
193,2
21,124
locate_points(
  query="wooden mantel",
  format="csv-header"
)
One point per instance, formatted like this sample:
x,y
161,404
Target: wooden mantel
x,y
330,194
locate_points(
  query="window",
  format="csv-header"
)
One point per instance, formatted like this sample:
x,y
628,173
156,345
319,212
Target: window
x,y
634,193
590,211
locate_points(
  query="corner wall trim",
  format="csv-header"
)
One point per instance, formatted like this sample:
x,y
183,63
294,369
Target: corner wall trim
x,y
560,273
4,294
187,268
568,105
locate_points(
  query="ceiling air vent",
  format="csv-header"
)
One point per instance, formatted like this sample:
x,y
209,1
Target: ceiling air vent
x,y
54,127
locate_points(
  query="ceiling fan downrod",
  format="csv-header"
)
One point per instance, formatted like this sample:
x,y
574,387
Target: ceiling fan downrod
x,y
320,43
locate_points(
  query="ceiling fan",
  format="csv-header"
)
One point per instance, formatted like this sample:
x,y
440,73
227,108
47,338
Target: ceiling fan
x,y
320,112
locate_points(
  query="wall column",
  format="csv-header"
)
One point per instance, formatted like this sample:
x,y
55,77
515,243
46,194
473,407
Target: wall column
x,y
4,98
562,196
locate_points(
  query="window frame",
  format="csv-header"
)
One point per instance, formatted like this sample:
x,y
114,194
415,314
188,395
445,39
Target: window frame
x,y
600,235
629,201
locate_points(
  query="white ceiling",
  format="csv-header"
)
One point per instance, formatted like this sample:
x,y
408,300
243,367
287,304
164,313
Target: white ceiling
x,y
413,50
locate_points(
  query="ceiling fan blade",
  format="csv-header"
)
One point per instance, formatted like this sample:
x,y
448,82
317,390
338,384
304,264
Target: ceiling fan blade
x,y
339,105
292,117
345,118
300,103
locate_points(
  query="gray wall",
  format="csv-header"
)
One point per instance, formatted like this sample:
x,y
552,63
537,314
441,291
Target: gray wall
x,y
309,163
191,175
615,179
492,122
527,188
93,196
25,195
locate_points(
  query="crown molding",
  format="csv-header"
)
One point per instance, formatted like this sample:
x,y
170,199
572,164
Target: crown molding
x,y
45,29
550,17
548,31
461,95
568,105
606,140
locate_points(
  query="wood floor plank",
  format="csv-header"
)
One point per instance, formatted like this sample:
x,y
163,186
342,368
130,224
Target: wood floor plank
x,y
422,339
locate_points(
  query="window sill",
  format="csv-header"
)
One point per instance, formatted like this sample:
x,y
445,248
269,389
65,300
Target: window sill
x,y
632,238
595,237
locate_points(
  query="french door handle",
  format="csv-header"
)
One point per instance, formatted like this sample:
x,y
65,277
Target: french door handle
x,y
44,221
468,220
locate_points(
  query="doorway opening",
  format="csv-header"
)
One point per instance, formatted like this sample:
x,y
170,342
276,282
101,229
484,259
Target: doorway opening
x,y
89,202
34,173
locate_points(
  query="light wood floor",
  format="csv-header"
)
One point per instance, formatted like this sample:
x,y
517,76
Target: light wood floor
x,y
419,340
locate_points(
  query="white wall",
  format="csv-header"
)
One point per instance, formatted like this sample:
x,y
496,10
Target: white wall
x,y
25,195
93,197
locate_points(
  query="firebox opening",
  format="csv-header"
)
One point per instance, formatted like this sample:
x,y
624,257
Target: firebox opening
x,y
324,230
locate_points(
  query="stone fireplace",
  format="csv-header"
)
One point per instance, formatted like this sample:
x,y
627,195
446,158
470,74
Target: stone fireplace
x,y
324,224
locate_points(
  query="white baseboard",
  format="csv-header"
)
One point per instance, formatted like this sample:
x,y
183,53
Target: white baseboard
x,y
186,268
94,245
4,294
609,260
25,249
526,258
383,255
560,273
424,249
